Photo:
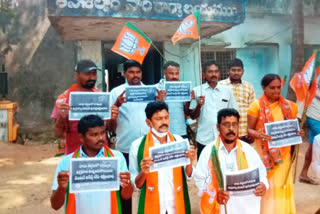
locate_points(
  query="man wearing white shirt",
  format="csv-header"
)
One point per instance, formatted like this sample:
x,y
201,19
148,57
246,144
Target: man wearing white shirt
x,y
163,191
211,97
233,155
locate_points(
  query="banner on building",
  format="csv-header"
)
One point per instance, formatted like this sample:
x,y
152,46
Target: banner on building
x,y
132,43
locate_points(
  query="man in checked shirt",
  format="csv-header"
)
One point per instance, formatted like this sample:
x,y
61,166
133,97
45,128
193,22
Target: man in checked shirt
x,y
243,93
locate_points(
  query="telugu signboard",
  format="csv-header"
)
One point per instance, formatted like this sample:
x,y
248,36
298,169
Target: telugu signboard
x,y
94,174
243,182
211,10
283,133
141,93
169,155
85,103
177,91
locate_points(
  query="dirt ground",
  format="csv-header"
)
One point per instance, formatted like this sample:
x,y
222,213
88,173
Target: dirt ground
x,y
27,172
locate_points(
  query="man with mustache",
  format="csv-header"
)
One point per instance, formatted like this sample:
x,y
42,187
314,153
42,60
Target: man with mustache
x,y
86,75
166,190
210,100
233,155
243,92
178,110
130,124
92,136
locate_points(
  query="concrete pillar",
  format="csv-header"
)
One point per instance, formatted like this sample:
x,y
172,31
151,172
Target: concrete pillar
x,y
285,65
187,56
92,50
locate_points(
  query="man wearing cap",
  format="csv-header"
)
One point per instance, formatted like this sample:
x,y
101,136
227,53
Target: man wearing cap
x,y
86,76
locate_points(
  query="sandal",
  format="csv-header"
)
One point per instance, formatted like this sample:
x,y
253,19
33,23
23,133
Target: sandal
x,y
308,181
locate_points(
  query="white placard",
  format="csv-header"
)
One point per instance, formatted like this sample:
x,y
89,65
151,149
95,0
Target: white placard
x,y
85,103
243,182
283,133
169,155
94,174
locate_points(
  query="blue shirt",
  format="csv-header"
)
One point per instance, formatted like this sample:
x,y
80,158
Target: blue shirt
x,y
90,202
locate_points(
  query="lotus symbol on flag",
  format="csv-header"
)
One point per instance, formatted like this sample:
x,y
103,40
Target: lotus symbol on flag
x,y
129,44
183,28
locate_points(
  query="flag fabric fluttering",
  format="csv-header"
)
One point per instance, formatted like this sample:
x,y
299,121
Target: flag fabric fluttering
x,y
305,83
132,43
189,28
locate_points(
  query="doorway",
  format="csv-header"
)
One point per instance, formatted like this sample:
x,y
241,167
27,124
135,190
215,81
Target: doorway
x,y
151,67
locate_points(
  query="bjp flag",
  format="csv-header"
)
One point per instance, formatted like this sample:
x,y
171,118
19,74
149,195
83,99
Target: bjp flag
x,y
132,43
189,28
305,83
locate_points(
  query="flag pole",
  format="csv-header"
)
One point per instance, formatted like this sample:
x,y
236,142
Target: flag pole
x,y
155,47
302,122
295,155
200,68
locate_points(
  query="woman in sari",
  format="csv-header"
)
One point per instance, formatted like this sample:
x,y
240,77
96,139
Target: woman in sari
x,y
271,107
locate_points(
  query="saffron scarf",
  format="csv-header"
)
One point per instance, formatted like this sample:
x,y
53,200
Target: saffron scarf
x,y
149,200
208,202
272,156
115,195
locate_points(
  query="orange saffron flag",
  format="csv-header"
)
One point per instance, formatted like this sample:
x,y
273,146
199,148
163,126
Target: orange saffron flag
x,y
132,43
305,83
189,28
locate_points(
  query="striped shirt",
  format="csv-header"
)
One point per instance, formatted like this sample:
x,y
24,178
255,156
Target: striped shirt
x,y
244,95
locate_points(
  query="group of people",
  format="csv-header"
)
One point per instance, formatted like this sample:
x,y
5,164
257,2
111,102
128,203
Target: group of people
x,y
228,116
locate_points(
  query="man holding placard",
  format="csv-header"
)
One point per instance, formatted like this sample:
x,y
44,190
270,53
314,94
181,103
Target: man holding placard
x,y
179,110
92,135
86,76
210,98
130,124
227,156
131,121
165,190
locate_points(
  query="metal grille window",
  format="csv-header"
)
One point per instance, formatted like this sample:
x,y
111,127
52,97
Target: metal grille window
x,y
221,56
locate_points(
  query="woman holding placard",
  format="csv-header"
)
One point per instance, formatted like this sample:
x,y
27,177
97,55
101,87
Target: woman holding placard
x,y
272,107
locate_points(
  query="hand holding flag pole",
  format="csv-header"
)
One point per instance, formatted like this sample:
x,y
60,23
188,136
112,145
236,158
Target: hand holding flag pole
x,y
305,85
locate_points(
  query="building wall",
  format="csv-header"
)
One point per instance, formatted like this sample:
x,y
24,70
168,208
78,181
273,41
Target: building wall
x,y
264,41
40,66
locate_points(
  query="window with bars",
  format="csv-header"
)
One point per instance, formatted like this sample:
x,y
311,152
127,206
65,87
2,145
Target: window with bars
x,y
222,57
